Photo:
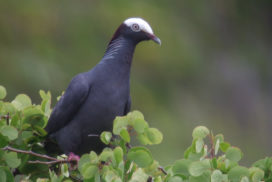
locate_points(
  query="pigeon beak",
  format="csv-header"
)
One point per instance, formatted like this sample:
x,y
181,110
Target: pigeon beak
x,y
154,38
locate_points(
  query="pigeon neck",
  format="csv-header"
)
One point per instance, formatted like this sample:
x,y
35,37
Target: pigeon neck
x,y
120,50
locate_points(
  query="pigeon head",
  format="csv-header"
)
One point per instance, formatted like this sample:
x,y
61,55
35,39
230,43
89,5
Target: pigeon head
x,y
137,30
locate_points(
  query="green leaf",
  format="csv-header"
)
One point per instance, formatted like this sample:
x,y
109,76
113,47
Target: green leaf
x,y
236,173
8,108
34,116
21,101
199,167
94,158
9,176
118,154
65,170
224,146
244,179
256,174
10,132
39,130
134,115
111,176
2,175
205,177
11,159
175,179
125,135
89,171
105,137
154,135
3,92
106,155
84,159
181,167
141,156
3,141
143,139
216,147
200,132
218,176
139,125
199,145
46,102
139,176
234,154
119,123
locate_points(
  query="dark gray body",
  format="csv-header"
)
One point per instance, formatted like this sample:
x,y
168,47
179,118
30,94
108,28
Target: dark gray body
x,y
92,100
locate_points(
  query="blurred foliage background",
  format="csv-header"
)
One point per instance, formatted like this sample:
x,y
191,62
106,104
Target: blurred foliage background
x,y
213,68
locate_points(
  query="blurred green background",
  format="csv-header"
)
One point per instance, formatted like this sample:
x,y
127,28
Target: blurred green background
x,y
213,68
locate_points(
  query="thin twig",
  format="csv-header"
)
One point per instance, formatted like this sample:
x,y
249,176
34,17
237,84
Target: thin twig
x,y
162,170
30,153
49,162
212,151
52,159
7,118
93,135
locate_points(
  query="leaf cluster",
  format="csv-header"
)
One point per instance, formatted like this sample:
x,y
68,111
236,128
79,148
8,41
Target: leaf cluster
x,y
209,159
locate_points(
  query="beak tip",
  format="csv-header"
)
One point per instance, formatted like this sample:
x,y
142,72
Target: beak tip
x,y
157,40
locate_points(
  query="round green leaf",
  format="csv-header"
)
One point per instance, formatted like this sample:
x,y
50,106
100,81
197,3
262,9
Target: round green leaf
x,y
9,175
3,92
256,174
84,159
199,145
105,137
106,155
199,167
200,132
10,132
11,159
236,173
134,115
8,108
217,176
205,177
110,176
89,171
3,141
234,154
181,167
125,135
2,175
118,154
141,156
244,179
119,123
139,175
143,139
175,179
224,146
154,135
34,116
217,145
139,125
21,101
94,158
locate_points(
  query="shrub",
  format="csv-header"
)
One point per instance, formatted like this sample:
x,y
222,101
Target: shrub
x,y
22,158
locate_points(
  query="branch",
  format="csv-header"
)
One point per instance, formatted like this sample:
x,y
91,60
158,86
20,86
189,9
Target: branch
x,y
52,159
49,162
162,170
30,153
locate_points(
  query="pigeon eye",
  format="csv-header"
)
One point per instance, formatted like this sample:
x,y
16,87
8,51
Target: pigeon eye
x,y
135,27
